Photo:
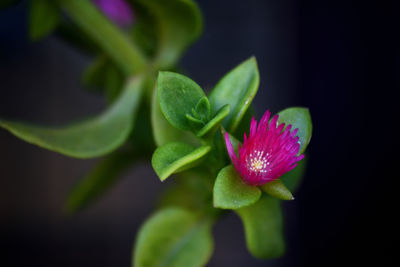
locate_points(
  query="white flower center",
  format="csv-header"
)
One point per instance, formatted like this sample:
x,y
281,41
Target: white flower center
x,y
257,162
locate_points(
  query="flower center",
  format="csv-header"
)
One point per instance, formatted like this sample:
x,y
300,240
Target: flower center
x,y
256,162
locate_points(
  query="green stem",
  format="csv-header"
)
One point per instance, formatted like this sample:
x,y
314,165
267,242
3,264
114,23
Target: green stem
x,y
106,34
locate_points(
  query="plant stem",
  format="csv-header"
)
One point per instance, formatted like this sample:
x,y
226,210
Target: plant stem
x,y
106,34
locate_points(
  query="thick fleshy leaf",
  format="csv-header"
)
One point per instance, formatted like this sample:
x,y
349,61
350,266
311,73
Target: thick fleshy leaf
x,y
263,225
91,138
173,237
237,88
203,109
178,22
230,192
177,95
300,118
293,178
123,52
191,189
44,18
98,180
163,131
215,122
277,189
175,157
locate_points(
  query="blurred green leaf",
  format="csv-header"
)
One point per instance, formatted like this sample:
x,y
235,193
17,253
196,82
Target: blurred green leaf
x,y
175,157
125,53
263,225
163,131
300,118
44,18
293,178
178,24
104,76
237,88
173,237
177,95
91,138
144,29
277,189
230,192
99,180
191,189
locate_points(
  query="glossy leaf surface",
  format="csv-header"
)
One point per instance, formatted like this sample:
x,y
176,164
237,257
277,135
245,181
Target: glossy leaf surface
x,y
177,95
230,192
277,189
237,88
173,237
299,118
163,131
91,138
175,157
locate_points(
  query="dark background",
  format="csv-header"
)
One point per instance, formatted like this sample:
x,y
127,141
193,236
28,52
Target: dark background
x,y
338,58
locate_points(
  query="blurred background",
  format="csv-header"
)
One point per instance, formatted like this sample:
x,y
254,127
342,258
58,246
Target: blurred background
x,y
339,58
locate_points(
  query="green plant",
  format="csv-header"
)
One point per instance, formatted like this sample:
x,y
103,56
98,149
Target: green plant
x,y
134,68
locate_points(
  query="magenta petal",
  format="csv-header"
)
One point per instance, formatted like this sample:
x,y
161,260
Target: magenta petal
x,y
231,151
268,152
118,11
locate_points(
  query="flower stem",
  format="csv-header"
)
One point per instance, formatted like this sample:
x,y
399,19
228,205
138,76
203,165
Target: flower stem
x,y
106,34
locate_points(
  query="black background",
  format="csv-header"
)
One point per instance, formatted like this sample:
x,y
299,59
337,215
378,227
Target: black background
x,y
339,58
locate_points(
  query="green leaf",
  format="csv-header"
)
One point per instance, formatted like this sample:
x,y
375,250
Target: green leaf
x,y
177,95
91,138
300,118
107,36
215,122
191,189
292,179
237,88
163,131
44,18
98,180
103,75
175,157
144,30
263,225
178,22
194,123
244,125
203,109
230,192
277,189
173,237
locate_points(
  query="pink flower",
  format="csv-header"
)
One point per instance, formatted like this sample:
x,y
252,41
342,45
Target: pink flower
x,y
118,11
268,153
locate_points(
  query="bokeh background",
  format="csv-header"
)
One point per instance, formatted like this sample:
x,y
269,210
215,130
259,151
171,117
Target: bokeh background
x,y
339,58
